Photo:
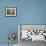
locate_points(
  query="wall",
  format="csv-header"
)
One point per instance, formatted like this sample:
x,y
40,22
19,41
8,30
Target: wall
x,y
28,12
33,12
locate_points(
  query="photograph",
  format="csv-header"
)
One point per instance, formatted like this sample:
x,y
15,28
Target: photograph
x,y
10,11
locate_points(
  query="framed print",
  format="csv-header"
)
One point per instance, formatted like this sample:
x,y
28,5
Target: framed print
x,y
10,11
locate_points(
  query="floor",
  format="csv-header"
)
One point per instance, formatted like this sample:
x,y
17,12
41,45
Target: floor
x,y
7,45
30,43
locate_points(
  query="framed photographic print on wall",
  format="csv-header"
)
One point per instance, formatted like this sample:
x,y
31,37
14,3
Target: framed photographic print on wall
x,y
10,11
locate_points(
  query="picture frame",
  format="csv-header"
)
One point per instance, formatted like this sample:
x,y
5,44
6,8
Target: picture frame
x,y
10,11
